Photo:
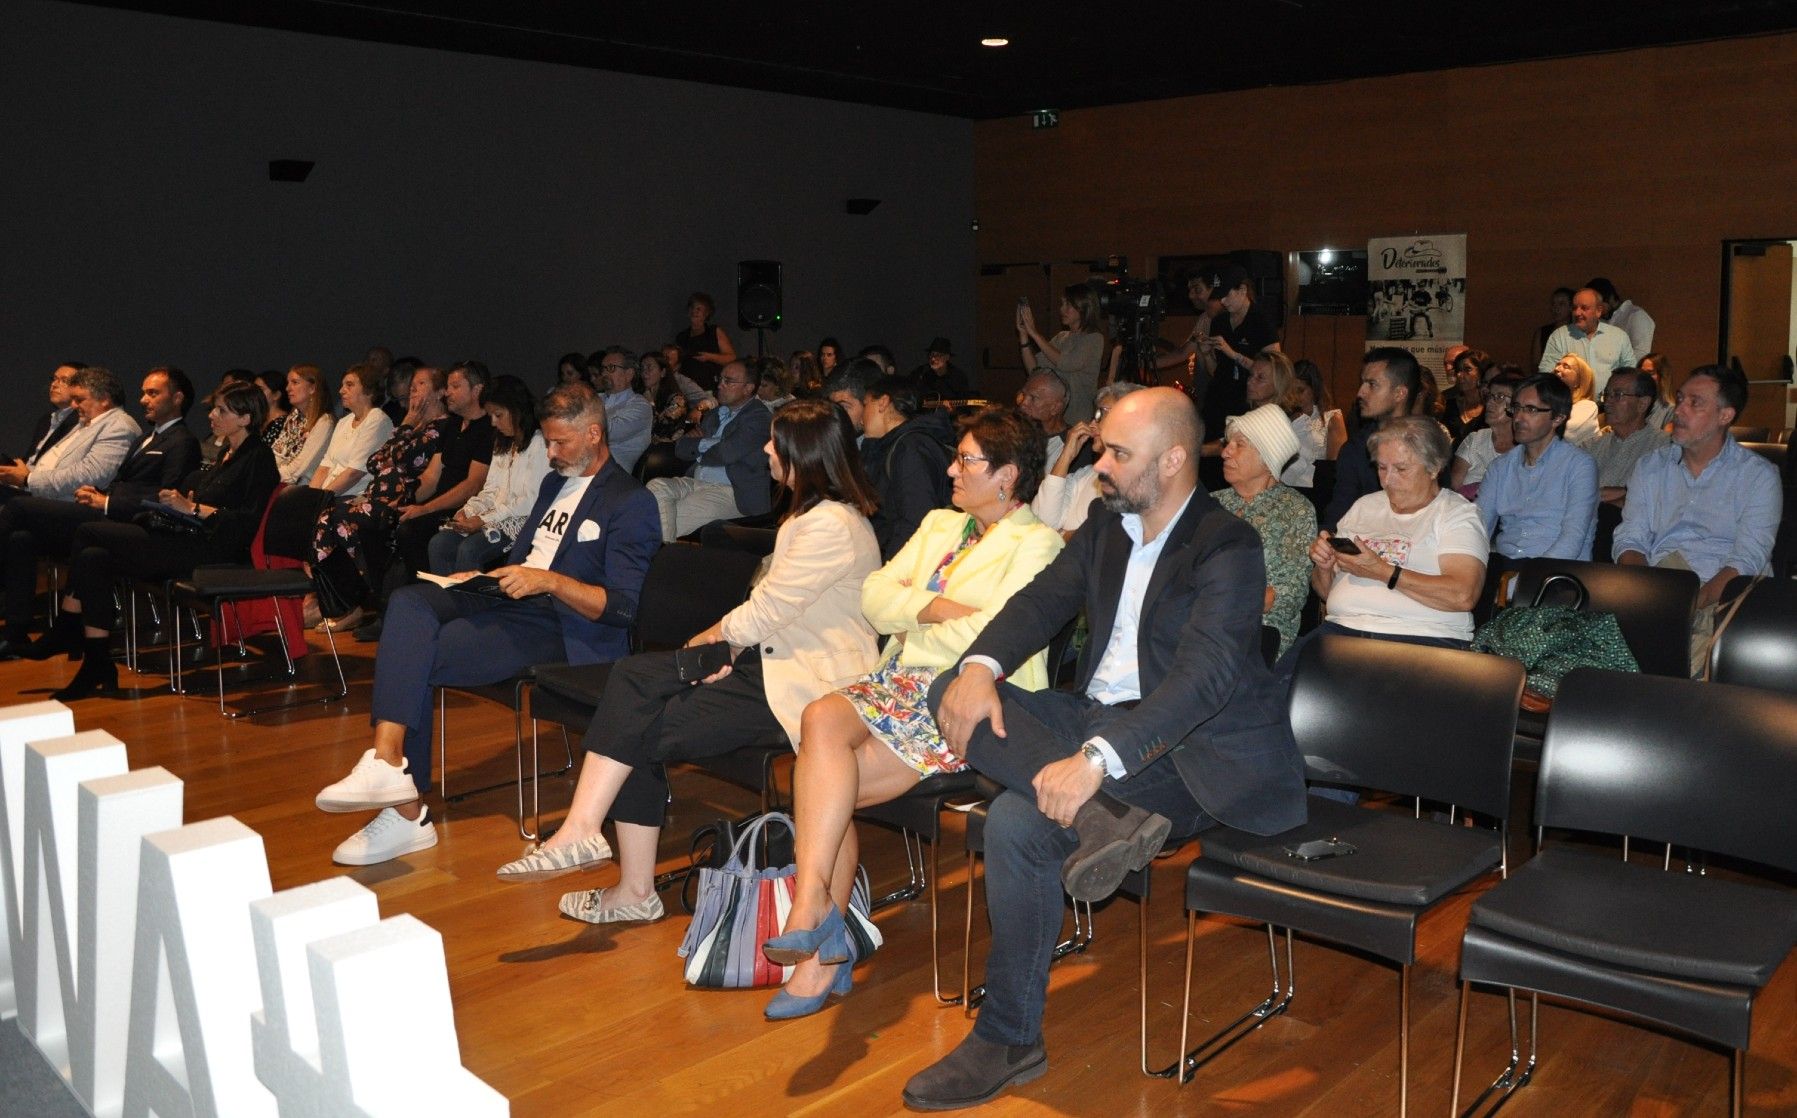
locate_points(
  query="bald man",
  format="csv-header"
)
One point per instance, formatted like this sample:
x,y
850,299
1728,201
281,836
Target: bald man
x,y
1603,346
1176,723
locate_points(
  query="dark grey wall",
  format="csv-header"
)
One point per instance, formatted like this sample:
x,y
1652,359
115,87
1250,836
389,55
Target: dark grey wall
x,y
461,205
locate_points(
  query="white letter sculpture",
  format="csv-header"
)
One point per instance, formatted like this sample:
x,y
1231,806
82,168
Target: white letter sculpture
x,y
18,725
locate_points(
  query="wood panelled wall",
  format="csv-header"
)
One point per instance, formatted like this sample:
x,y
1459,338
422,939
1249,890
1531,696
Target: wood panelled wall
x,y
1635,165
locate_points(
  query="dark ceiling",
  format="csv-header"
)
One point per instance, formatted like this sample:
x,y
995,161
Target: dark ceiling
x,y
927,56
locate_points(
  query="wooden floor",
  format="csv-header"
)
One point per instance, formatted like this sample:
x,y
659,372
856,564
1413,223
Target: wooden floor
x,y
569,1019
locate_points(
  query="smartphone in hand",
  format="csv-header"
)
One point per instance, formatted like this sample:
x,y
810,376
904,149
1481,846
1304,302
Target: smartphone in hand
x,y
1344,546
695,664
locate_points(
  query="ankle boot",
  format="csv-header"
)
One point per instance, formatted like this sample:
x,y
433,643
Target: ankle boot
x,y
65,636
98,675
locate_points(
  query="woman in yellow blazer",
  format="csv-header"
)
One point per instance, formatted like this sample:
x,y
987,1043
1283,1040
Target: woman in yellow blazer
x,y
799,636
873,740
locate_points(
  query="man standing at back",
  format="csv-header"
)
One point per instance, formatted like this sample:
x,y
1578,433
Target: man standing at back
x,y
1623,314
1389,381
1176,723
1603,346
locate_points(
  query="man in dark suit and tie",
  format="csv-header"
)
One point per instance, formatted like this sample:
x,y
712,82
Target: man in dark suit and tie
x,y
34,526
1176,723
729,477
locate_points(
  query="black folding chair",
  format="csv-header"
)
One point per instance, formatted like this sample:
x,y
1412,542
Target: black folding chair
x,y
1434,724
1759,646
1705,765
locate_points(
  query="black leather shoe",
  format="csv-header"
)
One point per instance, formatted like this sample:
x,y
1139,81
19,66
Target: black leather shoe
x,y
976,1071
1115,840
369,631
89,688
13,650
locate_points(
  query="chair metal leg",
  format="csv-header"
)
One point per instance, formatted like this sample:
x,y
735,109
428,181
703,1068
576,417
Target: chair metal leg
x,y
517,748
967,998
1078,940
1142,973
1737,1081
292,669
1403,1041
916,877
1185,1068
936,924
1516,1073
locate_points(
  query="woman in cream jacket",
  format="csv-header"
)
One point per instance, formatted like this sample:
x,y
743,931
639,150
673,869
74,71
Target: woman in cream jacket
x,y
800,635
873,740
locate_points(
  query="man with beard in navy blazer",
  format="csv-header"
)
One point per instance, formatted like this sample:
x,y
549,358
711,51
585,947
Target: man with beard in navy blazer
x,y
1176,723
569,591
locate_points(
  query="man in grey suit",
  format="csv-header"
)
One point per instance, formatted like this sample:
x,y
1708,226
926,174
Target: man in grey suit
x,y
91,453
729,476
1176,723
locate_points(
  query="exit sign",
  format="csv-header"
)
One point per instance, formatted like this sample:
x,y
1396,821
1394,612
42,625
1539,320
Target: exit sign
x,y
1047,118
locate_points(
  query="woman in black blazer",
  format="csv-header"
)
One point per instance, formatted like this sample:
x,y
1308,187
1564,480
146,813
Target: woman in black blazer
x,y
211,518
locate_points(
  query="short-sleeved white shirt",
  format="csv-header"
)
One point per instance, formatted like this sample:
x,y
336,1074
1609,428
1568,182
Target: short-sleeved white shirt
x,y
1448,525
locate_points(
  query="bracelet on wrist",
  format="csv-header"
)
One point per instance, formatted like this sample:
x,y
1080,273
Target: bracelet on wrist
x,y
1392,582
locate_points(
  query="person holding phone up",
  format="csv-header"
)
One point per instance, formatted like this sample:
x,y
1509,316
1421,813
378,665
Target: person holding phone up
x,y
1407,561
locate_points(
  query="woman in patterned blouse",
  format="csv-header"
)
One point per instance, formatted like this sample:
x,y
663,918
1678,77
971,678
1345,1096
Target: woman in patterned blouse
x,y
1256,447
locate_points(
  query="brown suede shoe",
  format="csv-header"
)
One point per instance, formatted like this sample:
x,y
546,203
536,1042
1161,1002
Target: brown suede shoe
x,y
975,1072
1115,839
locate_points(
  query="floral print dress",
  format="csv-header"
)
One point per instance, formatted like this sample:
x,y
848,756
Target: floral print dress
x,y
393,475
893,701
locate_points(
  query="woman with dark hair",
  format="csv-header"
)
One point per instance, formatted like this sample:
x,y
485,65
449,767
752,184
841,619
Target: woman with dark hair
x,y
213,517
274,390
1463,405
344,470
669,394
1075,353
829,358
483,529
305,434
359,531
1660,415
806,379
704,347
775,384
873,740
800,636
571,369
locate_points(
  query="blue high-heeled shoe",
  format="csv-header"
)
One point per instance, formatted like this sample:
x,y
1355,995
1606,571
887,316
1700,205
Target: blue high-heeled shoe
x,y
828,941
785,1006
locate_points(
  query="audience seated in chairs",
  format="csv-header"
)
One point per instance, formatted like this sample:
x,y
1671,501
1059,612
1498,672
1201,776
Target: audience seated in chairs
x,y
1492,439
905,451
1540,499
800,636
485,527
1705,503
354,535
1285,521
873,740
54,425
630,423
344,469
1628,398
571,587
1175,724
728,477
457,472
1390,381
1043,399
303,437
34,526
90,454
1419,551
217,512
1067,492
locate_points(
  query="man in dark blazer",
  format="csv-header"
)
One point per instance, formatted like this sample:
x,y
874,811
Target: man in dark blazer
x,y
1176,723
569,592
35,526
729,477
61,418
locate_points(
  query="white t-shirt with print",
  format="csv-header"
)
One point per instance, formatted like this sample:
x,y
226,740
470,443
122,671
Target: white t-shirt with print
x,y
1448,525
556,522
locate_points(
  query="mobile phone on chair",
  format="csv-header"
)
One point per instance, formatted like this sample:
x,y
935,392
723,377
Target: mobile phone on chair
x,y
1317,849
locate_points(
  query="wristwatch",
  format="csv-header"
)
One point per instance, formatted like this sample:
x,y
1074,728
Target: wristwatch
x,y
1095,757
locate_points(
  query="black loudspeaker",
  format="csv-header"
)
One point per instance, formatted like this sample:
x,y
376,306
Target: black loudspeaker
x,y
1266,270
758,294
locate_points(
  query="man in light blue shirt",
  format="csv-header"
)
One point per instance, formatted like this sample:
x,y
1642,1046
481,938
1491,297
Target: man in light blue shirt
x,y
730,476
1539,500
1603,346
1705,503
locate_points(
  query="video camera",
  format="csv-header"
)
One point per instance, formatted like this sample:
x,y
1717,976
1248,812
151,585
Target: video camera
x,y
1135,308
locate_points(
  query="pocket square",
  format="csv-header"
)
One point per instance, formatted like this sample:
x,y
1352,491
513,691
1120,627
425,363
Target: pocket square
x,y
587,532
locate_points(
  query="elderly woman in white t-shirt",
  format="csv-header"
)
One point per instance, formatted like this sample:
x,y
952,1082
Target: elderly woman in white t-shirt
x,y
1407,562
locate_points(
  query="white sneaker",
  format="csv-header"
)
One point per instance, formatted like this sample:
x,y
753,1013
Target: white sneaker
x,y
372,783
387,837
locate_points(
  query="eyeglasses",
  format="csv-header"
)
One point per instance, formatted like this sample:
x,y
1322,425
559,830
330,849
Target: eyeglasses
x,y
967,460
733,380
1530,409
616,369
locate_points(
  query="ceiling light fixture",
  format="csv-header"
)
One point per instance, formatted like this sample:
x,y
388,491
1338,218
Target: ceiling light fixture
x,y
995,42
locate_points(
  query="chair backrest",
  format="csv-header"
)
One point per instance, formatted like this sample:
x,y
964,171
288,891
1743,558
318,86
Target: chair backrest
x,y
1759,646
1705,765
1652,605
1770,451
686,589
1745,434
1411,719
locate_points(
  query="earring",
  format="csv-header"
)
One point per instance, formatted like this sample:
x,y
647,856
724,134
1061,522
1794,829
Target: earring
x,y
1001,494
